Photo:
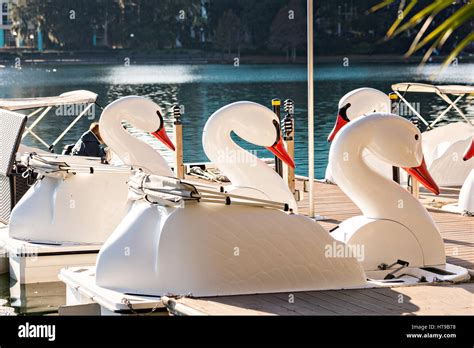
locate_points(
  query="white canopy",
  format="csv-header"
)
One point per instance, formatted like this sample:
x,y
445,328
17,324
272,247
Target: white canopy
x,y
458,91
69,98
426,88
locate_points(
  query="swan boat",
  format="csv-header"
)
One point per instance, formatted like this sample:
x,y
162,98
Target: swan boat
x,y
14,130
358,103
180,239
443,146
465,205
81,199
14,125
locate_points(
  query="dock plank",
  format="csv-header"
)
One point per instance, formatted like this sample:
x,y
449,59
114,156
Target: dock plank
x,y
413,300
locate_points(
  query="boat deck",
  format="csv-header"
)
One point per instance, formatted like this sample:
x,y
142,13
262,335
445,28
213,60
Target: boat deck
x,y
335,206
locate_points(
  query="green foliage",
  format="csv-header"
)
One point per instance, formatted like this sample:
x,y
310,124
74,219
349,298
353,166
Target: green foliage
x,y
458,17
258,26
288,30
229,32
71,24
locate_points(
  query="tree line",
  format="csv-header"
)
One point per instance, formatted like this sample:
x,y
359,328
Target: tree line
x,y
228,26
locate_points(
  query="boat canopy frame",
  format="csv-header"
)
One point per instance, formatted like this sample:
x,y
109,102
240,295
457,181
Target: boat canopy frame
x,y
442,91
43,105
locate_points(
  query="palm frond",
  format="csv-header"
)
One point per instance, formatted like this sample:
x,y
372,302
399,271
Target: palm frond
x,y
420,34
430,11
453,22
463,44
437,37
380,6
401,17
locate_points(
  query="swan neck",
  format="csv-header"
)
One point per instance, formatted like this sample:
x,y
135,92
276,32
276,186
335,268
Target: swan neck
x,y
243,168
131,151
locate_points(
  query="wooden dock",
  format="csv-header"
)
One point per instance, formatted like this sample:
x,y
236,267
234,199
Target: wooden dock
x,y
412,300
335,206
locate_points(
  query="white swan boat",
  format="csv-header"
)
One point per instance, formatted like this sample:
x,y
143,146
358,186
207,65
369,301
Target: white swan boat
x,y
81,200
14,125
14,129
355,104
181,239
443,146
465,204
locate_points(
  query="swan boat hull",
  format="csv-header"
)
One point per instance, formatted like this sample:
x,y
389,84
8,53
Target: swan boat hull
x,y
444,147
215,250
61,220
128,284
465,204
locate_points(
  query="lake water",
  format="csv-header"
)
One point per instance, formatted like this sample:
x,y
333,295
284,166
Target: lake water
x,y
204,89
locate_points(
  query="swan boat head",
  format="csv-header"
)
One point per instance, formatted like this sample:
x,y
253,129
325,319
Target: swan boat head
x,y
369,101
263,130
142,113
398,142
357,103
257,125
251,122
394,224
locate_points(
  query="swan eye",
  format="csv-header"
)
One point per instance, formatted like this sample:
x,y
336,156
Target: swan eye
x,y
277,127
417,136
161,119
